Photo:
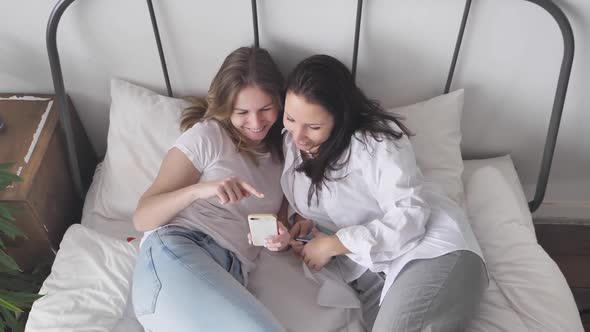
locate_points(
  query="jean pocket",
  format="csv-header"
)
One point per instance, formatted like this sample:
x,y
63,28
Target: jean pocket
x,y
235,267
146,285
202,239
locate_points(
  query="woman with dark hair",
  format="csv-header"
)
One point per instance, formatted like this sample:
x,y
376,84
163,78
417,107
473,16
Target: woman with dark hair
x,y
351,179
195,257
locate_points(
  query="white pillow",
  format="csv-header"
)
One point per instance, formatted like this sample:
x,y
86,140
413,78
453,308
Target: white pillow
x,y
504,165
436,125
524,279
143,126
89,284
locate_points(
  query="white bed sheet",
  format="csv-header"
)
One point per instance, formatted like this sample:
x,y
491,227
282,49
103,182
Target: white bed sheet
x,y
527,292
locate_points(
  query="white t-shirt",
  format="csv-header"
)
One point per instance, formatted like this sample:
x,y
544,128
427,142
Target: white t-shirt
x,y
214,155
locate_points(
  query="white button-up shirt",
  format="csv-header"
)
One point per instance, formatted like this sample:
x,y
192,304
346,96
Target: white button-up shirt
x,y
381,208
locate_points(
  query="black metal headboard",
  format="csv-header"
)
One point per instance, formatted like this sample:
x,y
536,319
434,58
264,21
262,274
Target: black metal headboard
x,y
558,102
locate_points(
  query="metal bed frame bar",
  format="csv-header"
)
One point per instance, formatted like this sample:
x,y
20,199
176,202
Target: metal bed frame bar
x,y
560,90
160,49
548,5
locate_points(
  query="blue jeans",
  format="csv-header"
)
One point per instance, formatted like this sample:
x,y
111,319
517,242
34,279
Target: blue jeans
x,y
184,281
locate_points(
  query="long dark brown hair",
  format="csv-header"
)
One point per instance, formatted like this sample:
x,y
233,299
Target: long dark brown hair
x,y
246,66
323,80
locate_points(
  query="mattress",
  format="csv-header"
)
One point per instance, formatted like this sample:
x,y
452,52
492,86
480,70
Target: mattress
x,y
88,288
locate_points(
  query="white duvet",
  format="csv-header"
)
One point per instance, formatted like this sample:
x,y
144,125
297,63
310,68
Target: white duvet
x,y
88,289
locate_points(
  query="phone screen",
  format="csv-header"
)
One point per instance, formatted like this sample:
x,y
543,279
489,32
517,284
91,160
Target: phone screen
x,y
262,226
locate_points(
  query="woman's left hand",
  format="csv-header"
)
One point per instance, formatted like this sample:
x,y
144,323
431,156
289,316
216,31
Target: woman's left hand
x,y
278,242
318,252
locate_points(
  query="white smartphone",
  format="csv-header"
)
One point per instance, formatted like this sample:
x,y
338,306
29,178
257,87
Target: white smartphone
x,y
262,226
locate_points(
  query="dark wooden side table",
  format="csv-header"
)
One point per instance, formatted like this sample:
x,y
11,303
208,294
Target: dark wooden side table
x,y
568,243
46,202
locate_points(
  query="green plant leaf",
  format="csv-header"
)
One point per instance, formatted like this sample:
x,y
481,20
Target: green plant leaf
x,y
19,326
20,300
5,313
27,282
20,282
10,208
8,262
6,176
9,318
4,269
6,165
8,305
9,176
9,229
17,290
16,284
5,212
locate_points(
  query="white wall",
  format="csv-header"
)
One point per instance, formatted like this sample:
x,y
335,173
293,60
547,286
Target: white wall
x,y
508,65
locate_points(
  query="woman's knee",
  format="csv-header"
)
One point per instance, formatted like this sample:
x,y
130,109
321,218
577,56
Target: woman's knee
x,y
457,302
443,300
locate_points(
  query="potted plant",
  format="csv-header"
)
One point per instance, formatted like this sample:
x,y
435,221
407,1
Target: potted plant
x,y
18,290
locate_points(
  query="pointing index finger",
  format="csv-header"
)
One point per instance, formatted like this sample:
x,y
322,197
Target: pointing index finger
x,y
249,188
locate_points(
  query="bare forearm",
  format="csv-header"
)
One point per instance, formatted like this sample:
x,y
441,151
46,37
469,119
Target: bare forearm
x,y
157,210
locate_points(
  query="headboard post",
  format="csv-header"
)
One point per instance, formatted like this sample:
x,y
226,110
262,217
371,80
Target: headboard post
x,y
255,23
466,12
559,99
560,90
160,49
60,92
357,30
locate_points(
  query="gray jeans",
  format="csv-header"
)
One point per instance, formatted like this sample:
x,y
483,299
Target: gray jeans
x,y
439,294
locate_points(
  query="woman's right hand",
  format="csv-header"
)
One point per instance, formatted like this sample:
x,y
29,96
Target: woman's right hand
x,y
228,190
301,228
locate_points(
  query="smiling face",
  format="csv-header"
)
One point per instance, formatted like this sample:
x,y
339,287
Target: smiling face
x,y
310,124
254,113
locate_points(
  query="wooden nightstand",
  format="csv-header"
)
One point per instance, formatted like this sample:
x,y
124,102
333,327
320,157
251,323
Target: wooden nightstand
x,y
568,243
46,201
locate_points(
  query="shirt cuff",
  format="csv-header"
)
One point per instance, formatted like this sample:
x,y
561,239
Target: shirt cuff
x,y
357,240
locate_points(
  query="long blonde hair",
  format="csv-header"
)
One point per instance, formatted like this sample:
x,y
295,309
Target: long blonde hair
x,y
246,66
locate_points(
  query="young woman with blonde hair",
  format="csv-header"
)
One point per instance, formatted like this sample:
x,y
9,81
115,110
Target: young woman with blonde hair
x,y
195,256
